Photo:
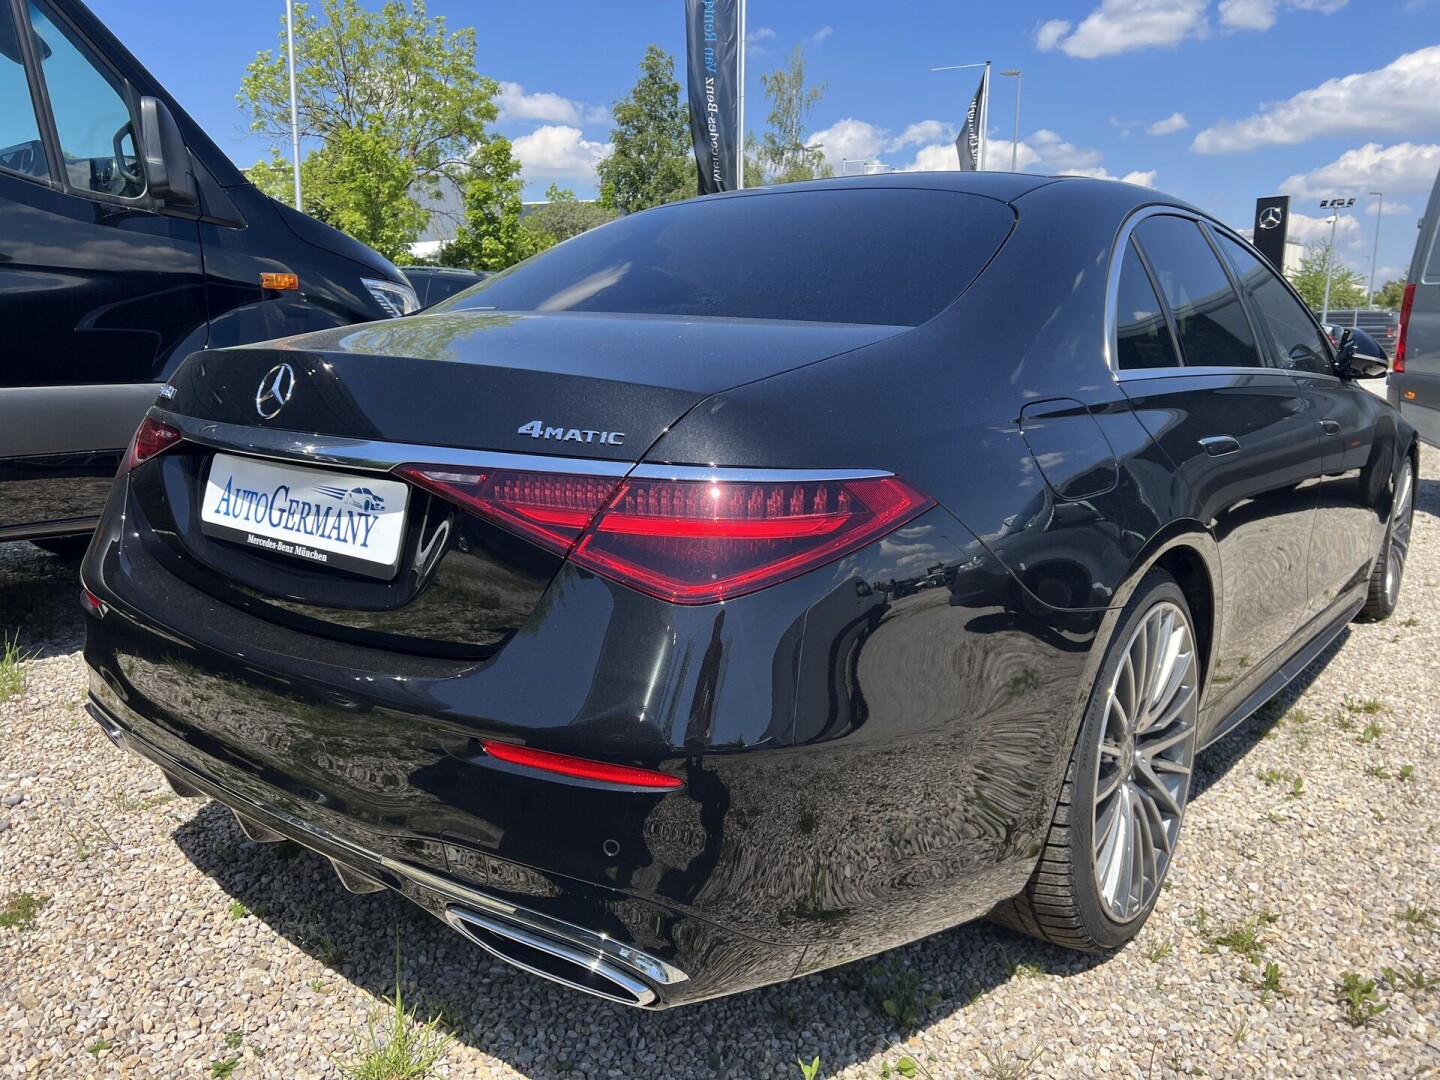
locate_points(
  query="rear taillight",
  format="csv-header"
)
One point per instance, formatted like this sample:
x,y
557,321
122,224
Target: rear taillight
x,y
689,541
151,438
1405,305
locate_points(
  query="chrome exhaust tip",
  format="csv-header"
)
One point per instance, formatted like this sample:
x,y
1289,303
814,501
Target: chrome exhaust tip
x,y
255,831
569,963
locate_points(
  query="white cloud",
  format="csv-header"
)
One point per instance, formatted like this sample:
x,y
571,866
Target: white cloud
x,y
515,104
1261,14
849,138
940,157
1402,167
1048,34
926,131
759,34
1144,179
1173,122
1398,209
1044,152
1306,230
1118,26
1403,97
822,34
558,151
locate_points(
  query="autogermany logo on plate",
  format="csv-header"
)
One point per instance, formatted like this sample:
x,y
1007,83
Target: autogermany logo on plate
x,y
276,389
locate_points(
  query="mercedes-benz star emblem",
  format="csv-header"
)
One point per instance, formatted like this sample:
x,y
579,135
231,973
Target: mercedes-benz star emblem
x,y
276,389
1270,217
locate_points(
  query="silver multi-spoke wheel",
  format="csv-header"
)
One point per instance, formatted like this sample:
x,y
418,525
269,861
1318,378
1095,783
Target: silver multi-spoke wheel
x,y
1142,770
1401,517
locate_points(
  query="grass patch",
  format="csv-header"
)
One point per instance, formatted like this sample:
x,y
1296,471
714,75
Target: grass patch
x,y
1358,998
221,1068
1364,706
98,1046
1002,1066
1270,981
1408,978
1371,732
238,910
1244,938
1421,917
895,992
1159,950
20,909
12,664
401,1048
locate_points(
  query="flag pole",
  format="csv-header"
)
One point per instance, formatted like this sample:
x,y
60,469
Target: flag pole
x,y
740,139
985,116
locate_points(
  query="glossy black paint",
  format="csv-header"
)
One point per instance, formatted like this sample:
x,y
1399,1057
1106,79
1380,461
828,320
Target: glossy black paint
x,y
109,295
871,751
435,283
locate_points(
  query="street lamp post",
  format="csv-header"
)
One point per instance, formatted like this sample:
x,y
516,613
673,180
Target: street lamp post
x,y
1015,143
1333,220
1375,252
294,111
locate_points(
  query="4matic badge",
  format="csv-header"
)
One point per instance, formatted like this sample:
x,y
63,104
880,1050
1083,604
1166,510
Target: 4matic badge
x,y
536,429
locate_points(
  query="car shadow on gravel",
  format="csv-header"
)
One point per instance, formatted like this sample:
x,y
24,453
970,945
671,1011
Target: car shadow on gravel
x,y
1427,497
541,1029
39,601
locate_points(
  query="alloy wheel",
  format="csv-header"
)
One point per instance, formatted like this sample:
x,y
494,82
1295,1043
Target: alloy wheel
x,y
1146,754
1400,521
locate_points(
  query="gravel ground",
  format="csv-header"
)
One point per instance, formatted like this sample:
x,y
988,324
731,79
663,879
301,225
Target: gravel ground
x,y
170,946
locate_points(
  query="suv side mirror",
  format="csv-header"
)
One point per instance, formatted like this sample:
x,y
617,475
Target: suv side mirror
x,y
168,172
1361,356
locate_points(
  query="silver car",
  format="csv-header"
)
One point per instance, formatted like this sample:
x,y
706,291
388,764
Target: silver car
x,y
1414,381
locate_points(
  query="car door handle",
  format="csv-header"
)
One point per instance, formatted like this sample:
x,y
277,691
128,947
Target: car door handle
x,y
1220,445
1330,427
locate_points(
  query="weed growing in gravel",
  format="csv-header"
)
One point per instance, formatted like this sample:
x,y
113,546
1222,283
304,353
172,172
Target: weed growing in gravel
x,y
1297,788
1367,706
1275,776
1420,917
810,1071
319,986
1380,772
402,1048
1243,938
907,1067
1408,978
99,1045
1241,1032
88,836
1362,1004
238,910
1411,621
234,1039
1371,732
221,1068
19,909
1159,950
896,991
1270,981
1406,772
1001,1066
12,665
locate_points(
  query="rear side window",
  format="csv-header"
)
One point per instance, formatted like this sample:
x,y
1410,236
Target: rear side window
x,y
889,257
1209,318
97,139
1295,338
20,148
1142,335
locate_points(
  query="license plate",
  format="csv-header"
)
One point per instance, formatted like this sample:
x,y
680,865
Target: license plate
x,y
325,518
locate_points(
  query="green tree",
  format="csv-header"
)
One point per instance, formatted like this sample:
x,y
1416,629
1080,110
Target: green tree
x,y
1390,294
357,183
651,161
273,177
398,77
1347,287
490,237
559,218
782,152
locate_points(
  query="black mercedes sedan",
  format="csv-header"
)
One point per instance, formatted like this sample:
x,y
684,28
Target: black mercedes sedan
x,y
757,582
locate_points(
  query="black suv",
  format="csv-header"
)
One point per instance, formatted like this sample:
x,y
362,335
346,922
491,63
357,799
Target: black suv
x,y
128,240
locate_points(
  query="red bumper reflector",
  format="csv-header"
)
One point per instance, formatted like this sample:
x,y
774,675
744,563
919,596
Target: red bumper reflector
x,y
151,438
580,768
93,604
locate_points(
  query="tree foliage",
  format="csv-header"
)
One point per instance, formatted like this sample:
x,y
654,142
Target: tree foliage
x,y
559,218
782,152
392,98
651,161
489,238
1390,294
1347,286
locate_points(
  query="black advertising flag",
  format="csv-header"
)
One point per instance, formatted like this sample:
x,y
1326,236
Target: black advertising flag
x,y
712,57
1272,223
967,143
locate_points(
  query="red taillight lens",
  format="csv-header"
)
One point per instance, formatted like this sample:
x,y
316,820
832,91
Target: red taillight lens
x,y
151,438
581,768
698,541
689,541
1405,305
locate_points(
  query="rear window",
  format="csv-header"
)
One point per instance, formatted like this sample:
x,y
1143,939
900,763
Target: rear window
x,y
889,257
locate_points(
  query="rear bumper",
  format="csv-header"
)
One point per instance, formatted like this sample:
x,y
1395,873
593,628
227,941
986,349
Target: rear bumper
x,y
609,963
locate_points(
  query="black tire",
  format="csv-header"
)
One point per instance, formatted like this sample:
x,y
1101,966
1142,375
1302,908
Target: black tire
x,y
67,547
1389,572
1062,902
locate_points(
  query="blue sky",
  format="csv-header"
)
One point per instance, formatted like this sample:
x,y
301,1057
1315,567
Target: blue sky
x,y
1217,101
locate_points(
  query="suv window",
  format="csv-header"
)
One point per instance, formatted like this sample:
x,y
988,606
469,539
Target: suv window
x,y
1209,318
1142,334
1296,339
97,138
884,256
20,148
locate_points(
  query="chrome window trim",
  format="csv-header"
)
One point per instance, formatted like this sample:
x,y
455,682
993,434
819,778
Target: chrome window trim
x,y
651,471
1112,301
